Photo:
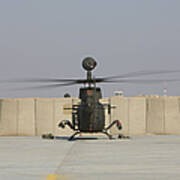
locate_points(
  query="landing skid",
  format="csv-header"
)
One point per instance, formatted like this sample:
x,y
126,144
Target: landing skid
x,y
104,131
72,137
76,133
109,135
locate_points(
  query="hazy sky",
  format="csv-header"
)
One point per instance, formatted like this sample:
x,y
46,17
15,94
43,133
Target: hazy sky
x,y
49,38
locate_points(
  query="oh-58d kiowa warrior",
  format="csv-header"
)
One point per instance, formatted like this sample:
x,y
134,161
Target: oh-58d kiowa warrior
x,y
89,115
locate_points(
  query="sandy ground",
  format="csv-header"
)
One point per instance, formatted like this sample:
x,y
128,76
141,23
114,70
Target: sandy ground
x,y
140,158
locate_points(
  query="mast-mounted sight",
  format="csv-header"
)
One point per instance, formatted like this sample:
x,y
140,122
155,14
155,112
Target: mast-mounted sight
x,y
89,64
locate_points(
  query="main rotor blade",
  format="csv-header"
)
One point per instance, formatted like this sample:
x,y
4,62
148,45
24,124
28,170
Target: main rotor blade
x,y
38,80
46,86
141,73
95,80
53,80
142,81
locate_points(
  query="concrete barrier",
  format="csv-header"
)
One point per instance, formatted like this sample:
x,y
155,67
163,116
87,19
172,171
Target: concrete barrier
x,y
138,115
172,115
132,114
26,117
155,107
61,114
8,117
120,111
44,116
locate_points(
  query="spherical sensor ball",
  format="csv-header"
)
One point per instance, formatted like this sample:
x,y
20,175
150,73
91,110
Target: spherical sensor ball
x,y
89,64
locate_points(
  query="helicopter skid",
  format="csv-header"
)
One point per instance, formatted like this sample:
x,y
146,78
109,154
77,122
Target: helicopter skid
x,y
103,131
118,124
79,132
63,123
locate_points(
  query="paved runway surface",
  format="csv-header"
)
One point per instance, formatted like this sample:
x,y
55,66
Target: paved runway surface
x,y
141,158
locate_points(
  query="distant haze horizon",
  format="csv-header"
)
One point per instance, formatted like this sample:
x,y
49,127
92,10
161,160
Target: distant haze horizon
x,y
49,39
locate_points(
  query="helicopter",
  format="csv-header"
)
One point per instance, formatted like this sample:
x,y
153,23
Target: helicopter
x,y
89,115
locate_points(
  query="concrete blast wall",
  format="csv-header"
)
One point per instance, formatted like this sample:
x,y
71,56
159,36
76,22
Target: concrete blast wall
x,y
155,115
61,114
120,112
26,117
172,115
163,115
8,117
138,115
34,117
131,113
17,117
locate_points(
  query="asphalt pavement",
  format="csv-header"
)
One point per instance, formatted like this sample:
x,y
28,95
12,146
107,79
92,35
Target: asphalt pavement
x,y
151,157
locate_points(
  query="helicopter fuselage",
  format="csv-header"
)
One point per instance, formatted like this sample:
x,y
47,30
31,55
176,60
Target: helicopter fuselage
x,y
90,113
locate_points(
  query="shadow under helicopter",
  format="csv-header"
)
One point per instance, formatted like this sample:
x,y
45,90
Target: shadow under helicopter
x,y
51,136
77,138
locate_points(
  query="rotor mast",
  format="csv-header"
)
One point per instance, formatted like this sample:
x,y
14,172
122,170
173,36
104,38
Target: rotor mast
x,y
89,78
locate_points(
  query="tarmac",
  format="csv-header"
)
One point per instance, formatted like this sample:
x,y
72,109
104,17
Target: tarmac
x,y
150,157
